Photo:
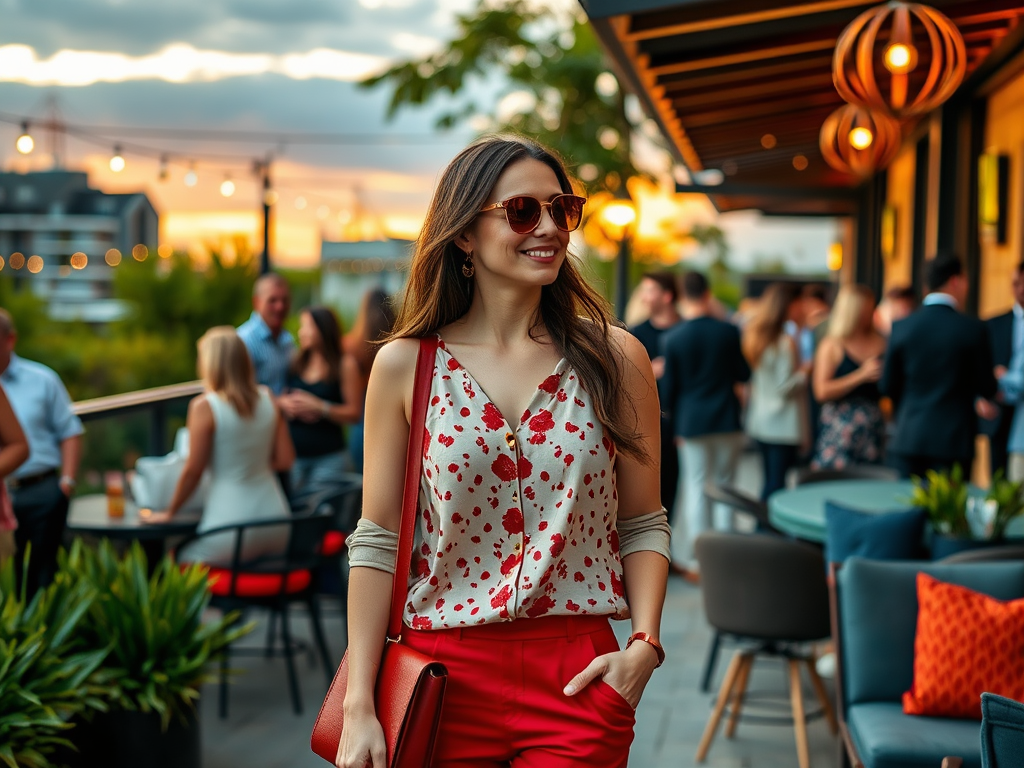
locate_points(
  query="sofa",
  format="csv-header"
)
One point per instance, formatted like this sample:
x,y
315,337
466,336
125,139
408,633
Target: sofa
x,y
874,621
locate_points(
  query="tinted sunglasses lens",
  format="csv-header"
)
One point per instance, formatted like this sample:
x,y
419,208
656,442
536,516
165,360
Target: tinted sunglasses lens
x,y
523,214
567,211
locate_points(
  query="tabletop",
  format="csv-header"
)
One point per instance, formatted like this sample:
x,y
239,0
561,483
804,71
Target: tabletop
x,y
88,515
800,511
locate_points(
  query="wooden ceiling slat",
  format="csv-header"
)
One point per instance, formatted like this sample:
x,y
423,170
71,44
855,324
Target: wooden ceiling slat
x,y
740,19
743,73
745,57
746,113
761,92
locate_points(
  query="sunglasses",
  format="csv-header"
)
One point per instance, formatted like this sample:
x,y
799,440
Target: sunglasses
x,y
523,212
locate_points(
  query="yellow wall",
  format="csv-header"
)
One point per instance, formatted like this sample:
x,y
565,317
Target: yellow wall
x,y
1004,134
900,195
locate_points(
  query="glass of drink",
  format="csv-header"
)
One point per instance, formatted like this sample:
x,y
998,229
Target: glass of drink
x,y
115,493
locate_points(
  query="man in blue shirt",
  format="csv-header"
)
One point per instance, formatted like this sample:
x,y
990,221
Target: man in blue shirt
x,y
269,344
41,487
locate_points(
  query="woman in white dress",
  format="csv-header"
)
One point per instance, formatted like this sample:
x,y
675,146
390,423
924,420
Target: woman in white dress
x,y
236,430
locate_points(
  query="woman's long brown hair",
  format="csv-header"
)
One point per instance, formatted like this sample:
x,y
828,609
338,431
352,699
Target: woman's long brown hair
x,y
574,315
329,328
768,322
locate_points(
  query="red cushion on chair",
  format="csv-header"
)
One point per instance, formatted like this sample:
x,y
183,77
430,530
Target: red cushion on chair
x,y
256,584
333,543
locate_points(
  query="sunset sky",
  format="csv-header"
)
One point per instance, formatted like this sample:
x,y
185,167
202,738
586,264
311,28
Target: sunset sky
x,y
255,66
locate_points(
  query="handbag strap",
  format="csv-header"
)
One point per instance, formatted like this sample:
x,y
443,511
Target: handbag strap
x,y
413,472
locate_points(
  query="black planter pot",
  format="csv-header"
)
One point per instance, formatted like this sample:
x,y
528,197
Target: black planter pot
x,y
122,739
944,546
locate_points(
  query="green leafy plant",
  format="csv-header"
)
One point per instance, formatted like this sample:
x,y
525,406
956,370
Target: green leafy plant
x,y
943,496
1009,499
47,676
159,647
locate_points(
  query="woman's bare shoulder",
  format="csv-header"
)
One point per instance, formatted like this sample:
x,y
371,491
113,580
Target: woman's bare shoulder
x,y
627,346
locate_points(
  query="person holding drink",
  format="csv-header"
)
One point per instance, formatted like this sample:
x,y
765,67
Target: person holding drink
x,y
541,514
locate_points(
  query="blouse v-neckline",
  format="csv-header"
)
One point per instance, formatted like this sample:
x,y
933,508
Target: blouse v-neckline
x,y
557,371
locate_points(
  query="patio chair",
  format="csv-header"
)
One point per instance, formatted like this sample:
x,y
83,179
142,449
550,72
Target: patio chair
x,y
274,583
771,592
757,509
874,619
804,475
987,554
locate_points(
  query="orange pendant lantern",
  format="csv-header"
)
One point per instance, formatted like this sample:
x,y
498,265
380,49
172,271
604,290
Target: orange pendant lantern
x,y
857,141
900,58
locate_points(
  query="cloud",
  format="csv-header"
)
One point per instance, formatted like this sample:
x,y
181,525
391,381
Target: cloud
x,y
177,63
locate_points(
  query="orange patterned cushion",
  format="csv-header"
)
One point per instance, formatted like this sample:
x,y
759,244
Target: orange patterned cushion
x,y
967,643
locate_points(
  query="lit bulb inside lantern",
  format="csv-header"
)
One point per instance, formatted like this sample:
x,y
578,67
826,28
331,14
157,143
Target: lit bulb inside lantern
x,y
900,58
861,138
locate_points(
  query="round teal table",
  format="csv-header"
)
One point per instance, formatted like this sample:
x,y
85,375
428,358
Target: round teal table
x,y
800,511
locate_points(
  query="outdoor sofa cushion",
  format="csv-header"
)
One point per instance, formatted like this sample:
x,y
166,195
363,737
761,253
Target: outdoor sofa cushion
x,y
887,738
1002,732
878,618
895,535
966,644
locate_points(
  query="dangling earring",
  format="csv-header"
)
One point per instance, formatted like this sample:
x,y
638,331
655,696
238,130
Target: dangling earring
x,y
468,268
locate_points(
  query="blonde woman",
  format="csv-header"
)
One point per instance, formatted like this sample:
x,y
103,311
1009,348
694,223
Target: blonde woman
x,y
776,414
847,367
236,430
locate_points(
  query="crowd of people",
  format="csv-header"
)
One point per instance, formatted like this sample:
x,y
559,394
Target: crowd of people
x,y
269,427
831,387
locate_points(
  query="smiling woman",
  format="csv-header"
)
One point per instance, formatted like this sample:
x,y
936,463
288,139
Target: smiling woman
x,y
178,63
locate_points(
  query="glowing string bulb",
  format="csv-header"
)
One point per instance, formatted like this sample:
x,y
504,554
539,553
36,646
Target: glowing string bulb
x,y
227,188
25,143
191,179
117,161
861,138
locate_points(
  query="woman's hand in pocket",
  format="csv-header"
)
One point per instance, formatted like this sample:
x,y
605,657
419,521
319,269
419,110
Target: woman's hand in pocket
x,y
627,672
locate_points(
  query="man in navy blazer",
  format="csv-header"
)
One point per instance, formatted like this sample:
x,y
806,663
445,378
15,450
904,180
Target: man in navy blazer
x,y
703,366
1006,334
938,369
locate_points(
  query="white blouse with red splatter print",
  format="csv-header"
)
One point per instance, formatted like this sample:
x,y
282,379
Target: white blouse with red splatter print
x,y
514,521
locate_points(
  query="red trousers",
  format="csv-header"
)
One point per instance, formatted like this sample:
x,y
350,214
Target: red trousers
x,y
504,704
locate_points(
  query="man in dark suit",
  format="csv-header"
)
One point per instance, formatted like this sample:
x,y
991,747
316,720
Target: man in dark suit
x,y
1006,334
703,367
937,368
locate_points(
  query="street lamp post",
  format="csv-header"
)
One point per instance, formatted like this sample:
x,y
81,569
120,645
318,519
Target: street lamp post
x,y
619,216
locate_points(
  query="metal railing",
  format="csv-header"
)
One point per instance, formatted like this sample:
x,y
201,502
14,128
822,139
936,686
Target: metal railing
x,y
155,402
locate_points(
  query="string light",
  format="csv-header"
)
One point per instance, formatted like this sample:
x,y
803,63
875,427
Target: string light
x,y
191,179
300,203
861,138
79,260
227,187
270,197
112,257
25,143
17,260
117,161
165,250
140,252
35,264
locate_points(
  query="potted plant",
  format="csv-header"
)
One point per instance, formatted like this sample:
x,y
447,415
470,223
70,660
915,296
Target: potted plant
x,y
46,676
158,653
961,520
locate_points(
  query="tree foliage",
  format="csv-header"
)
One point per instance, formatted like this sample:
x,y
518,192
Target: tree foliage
x,y
568,99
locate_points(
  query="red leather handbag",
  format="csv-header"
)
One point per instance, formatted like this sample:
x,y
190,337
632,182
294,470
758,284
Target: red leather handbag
x,y
410,685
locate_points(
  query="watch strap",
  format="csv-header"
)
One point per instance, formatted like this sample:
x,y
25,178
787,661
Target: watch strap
x,y
647,638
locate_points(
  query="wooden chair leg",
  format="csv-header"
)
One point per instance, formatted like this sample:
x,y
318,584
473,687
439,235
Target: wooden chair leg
x,y
819,689
716,714
799,717
739,691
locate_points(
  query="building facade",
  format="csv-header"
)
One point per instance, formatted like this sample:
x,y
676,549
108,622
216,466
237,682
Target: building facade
x,y
79,235
350,269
